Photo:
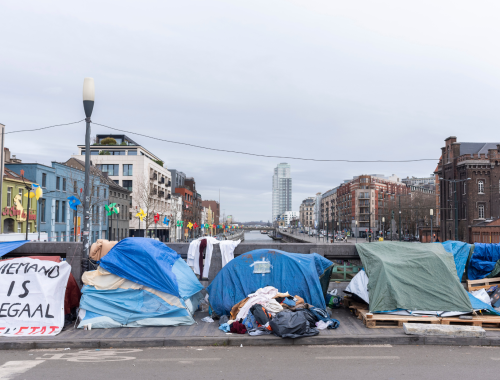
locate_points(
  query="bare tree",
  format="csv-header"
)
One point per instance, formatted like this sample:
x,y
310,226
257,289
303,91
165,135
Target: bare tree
x,y
150,198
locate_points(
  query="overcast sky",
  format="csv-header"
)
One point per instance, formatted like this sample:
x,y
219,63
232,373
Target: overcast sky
x,y
317,79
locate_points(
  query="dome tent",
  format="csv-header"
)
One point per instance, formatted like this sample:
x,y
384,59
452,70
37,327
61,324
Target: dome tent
x,y
140,282
305,275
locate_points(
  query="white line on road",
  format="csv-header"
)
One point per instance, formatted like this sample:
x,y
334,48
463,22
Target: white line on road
x,y
13,368
358,357
179,359
350,345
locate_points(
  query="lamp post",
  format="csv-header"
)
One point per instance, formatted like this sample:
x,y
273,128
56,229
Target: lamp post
x,y
432,215
88,106
356,221
383,227
455,200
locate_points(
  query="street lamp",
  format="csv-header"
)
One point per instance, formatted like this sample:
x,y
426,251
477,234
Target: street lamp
x,y
356,231
88,106
432,215
383,227
455,200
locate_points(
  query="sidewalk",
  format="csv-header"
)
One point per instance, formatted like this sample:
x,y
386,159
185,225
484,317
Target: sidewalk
x,y
321,240
350,332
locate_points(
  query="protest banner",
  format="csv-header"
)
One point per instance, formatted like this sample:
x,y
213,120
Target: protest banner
x,y
32,297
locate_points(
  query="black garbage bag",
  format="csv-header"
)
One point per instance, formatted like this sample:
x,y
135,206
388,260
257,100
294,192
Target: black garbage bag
x,y
292,325
309,315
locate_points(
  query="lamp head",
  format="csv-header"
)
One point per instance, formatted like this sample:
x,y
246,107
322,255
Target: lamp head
x,y
88,96
432,212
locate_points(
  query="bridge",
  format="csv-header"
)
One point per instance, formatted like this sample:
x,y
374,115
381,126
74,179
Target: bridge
x,y
248,228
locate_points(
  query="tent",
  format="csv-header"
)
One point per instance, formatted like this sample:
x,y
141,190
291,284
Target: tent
x,y
140,282
461,252
413,276
305,275
484,261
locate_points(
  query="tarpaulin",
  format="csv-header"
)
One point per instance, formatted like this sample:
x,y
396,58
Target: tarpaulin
x,y
483,262
144,261
297,274
9,246
460,251
413,276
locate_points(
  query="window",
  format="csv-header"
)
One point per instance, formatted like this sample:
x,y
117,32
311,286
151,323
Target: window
x,y
132,152
21,191
481,211
465,188
57,211
63,236
9,197
480,187
110,169
104,193
451,189
127,184
63,211
44,179
464,211
75,187
64,184
116,181
42,210
117,152
93,214
58,183
19,227
127,170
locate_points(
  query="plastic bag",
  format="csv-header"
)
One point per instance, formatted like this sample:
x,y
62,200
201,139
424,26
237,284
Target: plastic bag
x,y
207,319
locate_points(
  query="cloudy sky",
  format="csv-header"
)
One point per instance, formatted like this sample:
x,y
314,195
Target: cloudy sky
x,y
330,79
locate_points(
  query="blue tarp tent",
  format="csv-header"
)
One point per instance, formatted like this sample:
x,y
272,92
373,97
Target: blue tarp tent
x,y
141,282
297,274
9,246
460,251
483,260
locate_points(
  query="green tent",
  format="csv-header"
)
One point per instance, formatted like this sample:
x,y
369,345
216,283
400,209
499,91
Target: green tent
x,y
412,276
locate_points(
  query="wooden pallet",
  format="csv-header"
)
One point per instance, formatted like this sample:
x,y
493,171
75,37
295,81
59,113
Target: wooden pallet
x,y
484,283
487,322
380,321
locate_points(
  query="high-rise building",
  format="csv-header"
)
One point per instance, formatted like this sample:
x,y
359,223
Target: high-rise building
x,y
282,190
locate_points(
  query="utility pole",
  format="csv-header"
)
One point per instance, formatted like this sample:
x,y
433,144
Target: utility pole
x,y
455,201
400,217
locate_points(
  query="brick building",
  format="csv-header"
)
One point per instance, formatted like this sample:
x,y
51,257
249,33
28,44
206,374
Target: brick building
x,y
329,209
306,213
477,196
365,199
215,207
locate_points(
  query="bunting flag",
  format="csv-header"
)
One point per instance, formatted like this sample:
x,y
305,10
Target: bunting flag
x,y
190,225
112,209
213,226
166,221
74,202
141,215
180,223
35,192
195,225
157,218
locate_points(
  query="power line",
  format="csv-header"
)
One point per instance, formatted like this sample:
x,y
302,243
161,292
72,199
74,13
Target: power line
x,y
259,155
39,129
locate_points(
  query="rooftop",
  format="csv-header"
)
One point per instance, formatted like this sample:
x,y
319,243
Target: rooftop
x,y
476,148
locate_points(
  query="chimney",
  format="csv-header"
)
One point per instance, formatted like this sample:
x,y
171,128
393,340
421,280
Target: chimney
x,y
105,174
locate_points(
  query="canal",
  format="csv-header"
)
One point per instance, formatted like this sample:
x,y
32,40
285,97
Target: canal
x,y
257,237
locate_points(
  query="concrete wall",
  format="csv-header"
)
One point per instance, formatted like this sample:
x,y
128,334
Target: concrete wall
x,y
330,251
72,252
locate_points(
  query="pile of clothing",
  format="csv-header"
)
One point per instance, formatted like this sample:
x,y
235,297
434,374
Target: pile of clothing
x,y
267,311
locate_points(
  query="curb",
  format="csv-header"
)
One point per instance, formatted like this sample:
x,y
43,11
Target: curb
x,y
13,344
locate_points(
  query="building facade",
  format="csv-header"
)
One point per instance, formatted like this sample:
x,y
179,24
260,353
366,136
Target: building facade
x,y
288,216
469,187
178,178
329,209
59,182
282,190
215,207
306,213
15,218
138,170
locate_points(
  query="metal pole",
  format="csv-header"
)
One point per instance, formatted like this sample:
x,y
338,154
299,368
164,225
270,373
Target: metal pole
x,y
432,239
399,217
456,208
38,218
369,227
86,199
1,171
28,216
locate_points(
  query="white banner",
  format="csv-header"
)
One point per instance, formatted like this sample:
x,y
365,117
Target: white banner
x,y
32,297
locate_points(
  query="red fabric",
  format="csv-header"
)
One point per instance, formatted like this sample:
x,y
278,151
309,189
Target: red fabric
x,y
238,328
203,246
73,293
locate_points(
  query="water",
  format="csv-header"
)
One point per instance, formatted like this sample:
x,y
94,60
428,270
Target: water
x,y
256,236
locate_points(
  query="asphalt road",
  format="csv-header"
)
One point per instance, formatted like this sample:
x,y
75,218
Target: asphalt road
x,y
304,362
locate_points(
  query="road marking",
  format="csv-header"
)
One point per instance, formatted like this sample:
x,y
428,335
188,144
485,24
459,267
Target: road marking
x,y
181,360
95,356
13,368
495,358
351,345
358,357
